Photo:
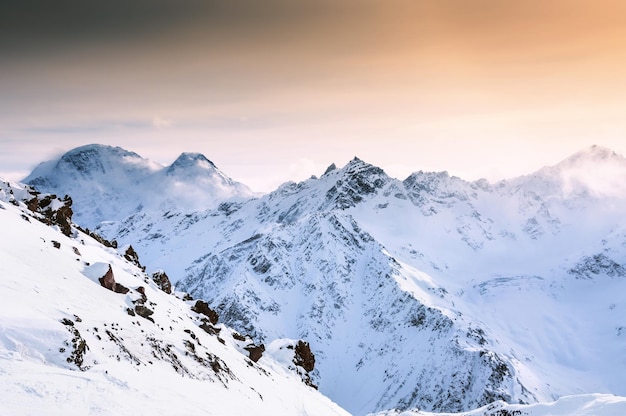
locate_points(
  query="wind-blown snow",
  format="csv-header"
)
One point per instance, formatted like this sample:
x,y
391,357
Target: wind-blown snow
x,y
110,183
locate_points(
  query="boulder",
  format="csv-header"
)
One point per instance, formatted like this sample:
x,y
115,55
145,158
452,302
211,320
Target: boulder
x,y
255,351
303,356
108,281
203,308
132,256
162,281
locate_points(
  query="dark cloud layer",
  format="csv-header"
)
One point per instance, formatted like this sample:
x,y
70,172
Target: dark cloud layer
x,y
28,26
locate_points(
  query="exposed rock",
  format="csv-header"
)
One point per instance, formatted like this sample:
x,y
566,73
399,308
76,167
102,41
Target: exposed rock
x,y
203,308
98,237
121,289
77,344
592,266
61,216
210,329
67,322
108,281
144,312
142,291
238,337
329,169
255,351
304,357
132,256
162,281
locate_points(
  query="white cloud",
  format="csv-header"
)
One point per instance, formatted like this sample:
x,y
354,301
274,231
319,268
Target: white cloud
x,y
161,123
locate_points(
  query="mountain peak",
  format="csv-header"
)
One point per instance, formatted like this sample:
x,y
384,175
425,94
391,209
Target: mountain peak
x,y
189,162
596,171
84,157
110,183
330,169
192,158
87,162
594,153
356,161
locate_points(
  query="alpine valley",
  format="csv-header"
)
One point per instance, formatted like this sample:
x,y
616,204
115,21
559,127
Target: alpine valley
x,y
426,295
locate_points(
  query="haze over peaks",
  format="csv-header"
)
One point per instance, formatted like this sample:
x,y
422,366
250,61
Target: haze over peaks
x,y
125,183
595,171
432,292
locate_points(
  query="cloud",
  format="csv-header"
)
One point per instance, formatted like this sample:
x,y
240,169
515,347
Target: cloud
x,y
160,122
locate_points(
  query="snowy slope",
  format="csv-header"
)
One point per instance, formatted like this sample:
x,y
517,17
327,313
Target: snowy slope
x,y
581,405
110,183
71,346
432,292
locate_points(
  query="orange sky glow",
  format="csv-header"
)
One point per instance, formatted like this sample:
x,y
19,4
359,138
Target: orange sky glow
x,y
481,88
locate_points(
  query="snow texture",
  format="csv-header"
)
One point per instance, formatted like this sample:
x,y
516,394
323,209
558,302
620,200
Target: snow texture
x,y
432,292
70,346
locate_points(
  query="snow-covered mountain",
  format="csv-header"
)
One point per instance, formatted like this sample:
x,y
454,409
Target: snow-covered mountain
x,y
432,292
85,331
110,183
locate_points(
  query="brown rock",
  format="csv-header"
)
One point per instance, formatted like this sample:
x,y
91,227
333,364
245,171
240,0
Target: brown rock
x,y
132,256
304,357
108,280
255,351
162,281
203,308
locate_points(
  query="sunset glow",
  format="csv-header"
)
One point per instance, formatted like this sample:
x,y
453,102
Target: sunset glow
x,y
481,88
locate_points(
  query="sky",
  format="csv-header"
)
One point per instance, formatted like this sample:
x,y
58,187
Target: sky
x,y
278,90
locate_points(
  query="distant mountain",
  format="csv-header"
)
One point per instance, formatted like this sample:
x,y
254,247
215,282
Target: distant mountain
x,y
596,172
110,183
429,292
85,331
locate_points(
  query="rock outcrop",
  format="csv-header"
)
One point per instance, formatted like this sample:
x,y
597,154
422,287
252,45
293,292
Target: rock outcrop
x,y
162,281
108,281
255,351
203,308
132,256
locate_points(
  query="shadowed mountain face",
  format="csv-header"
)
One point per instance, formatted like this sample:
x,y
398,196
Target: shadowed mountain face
x,y
432,292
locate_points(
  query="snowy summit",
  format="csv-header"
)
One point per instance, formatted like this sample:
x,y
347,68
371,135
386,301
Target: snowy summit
x,y
430,293
110,183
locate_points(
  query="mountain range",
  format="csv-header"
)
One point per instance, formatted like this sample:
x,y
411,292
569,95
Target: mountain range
x,y
128,183
430,292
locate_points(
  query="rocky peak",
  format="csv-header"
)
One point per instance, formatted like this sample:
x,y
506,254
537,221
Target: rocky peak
x,y
438,187
191,161
355,181
95,158
329,169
